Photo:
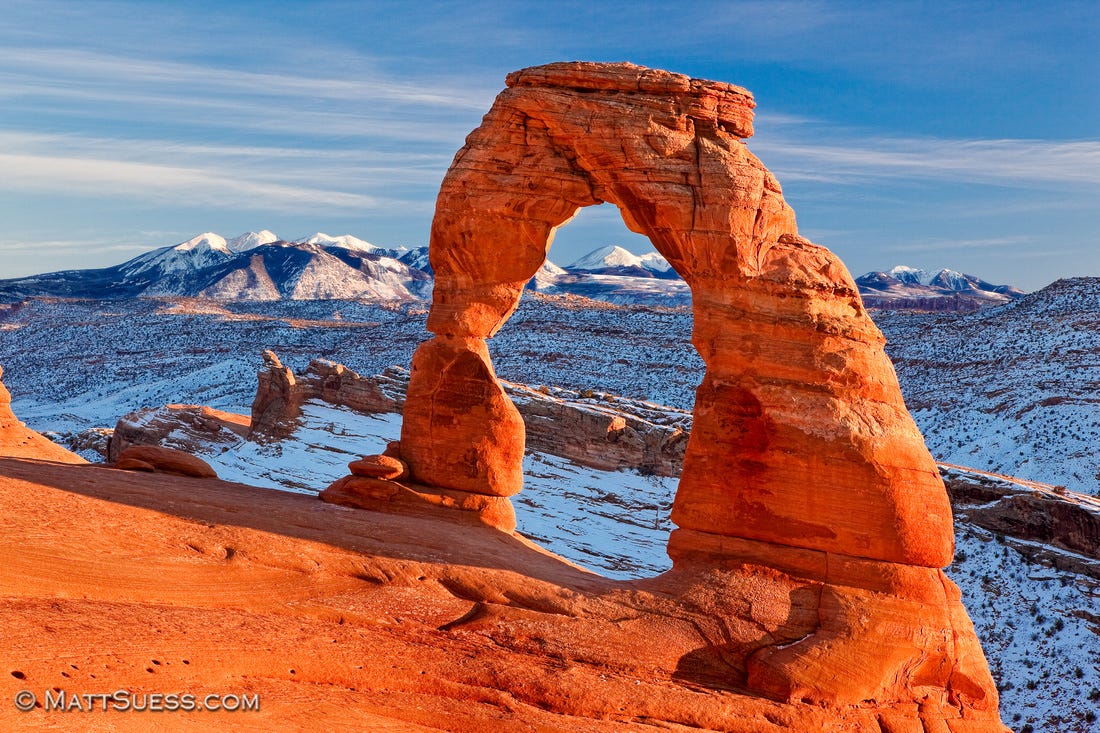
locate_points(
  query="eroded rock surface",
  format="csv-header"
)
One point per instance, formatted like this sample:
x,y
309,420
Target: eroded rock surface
x,y
190,428
804,469
280,393
155,458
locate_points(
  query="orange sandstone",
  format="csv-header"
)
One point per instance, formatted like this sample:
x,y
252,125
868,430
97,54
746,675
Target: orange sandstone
x,y
800,435
803,458
168,460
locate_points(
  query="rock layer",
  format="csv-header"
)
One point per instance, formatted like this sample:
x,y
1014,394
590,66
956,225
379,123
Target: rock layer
x,y
151,458
190,428
803,459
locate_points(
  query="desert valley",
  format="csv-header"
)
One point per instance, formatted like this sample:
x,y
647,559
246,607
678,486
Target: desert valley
x,y
695,489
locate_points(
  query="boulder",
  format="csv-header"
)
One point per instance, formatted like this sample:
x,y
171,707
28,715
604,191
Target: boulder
x,y
164,460
381,467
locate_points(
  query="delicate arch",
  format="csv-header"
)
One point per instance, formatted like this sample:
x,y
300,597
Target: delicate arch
x,y
800,438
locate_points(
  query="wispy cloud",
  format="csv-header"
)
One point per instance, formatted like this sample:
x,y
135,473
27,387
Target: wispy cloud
x,y
1001,162
101,70
166,183
217,175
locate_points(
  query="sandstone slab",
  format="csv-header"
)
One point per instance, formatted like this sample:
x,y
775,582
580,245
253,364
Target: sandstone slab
x,y
391,496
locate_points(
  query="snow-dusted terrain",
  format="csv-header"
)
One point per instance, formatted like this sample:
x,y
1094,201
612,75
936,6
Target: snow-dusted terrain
x,y
1028,370
1013,389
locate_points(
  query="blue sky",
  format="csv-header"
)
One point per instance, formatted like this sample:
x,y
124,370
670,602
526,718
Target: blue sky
x,y
958,134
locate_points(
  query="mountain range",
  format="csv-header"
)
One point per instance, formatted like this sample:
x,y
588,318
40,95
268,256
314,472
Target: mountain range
x,y
907,287
261,266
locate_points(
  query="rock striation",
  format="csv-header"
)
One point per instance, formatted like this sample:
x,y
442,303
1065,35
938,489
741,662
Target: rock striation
x,y
804,477
1046,523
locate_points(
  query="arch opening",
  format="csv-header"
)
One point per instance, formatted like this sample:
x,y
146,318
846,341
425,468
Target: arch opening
x,y
602,457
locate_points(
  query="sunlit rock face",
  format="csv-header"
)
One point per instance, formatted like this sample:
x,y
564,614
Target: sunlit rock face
x,y
805,479
801,436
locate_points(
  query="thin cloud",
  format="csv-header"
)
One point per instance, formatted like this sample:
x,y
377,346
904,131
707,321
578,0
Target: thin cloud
x,y
955,245
334,177
1004,162
103,70
92,177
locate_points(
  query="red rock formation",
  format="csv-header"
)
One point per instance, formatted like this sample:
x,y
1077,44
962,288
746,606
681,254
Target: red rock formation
x,y
803,468
280,393
629,434
800,431
16,439
277,403
166,460
353,620
383,467
189,428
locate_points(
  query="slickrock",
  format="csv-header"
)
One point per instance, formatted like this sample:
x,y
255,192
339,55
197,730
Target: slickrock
x,y
16,439
167,460
352,620
803,470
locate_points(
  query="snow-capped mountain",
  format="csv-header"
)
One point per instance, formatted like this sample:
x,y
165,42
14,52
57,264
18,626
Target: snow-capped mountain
x,y
344,241
253,266
261,266
908,287
614,260
251,240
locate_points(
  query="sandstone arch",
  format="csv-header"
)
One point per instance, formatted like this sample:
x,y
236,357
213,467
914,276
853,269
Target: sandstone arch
x,y
801,437
812,521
